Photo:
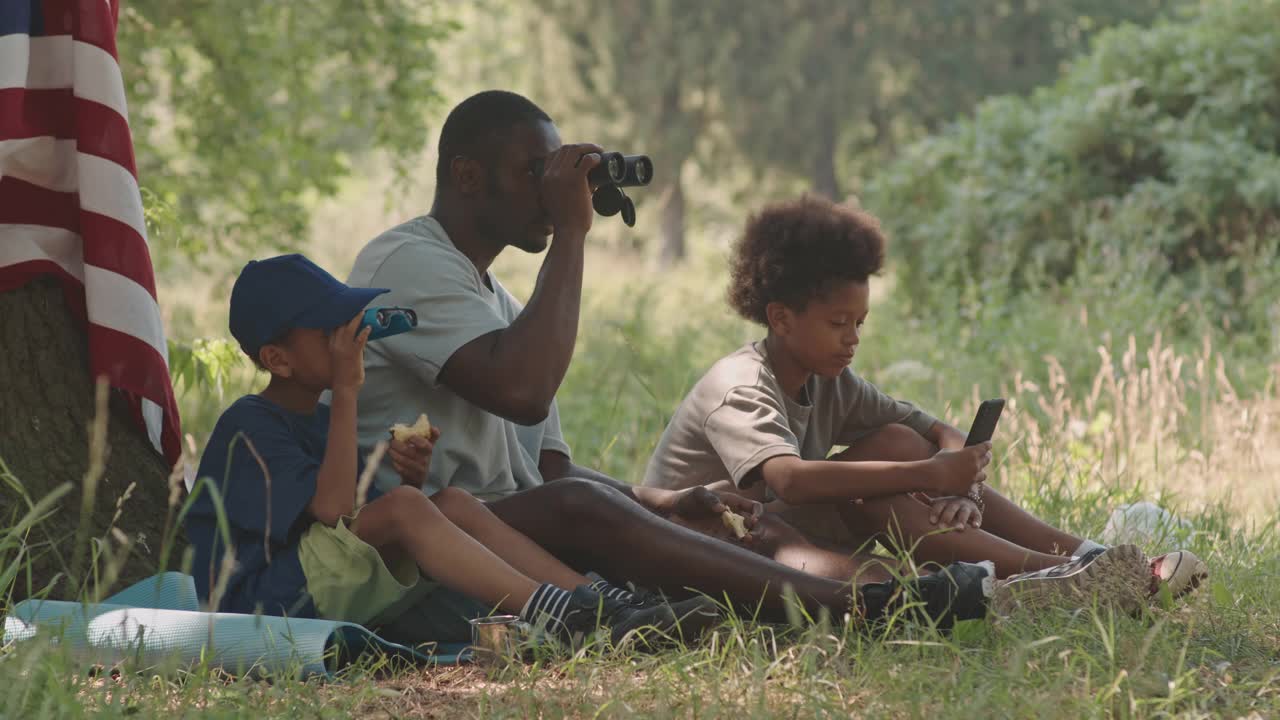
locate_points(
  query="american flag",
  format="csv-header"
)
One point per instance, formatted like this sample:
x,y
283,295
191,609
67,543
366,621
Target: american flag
x,y
69,199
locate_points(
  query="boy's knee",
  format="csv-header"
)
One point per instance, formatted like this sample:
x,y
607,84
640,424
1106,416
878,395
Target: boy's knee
x,y
899,514
409,506
452,498
461,507
907,444
893,443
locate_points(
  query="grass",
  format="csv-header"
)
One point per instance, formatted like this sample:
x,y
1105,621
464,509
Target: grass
x,y
1104,408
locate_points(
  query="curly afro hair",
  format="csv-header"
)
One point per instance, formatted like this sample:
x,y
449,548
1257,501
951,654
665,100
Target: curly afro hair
x,y
795,251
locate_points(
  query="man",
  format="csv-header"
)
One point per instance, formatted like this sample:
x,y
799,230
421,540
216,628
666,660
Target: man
x,y
486,371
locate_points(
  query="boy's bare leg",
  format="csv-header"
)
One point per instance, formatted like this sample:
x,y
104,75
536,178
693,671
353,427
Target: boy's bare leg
x,y
777,540
590,525
405,520
476,520
1006,519
906,527
1011,537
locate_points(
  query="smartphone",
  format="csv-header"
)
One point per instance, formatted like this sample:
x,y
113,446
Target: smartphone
x,y
984,423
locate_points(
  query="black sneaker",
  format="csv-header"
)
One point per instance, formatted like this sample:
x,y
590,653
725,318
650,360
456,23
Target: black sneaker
x,y
1116,577
637,596
644,597
589,612
959,591
694,616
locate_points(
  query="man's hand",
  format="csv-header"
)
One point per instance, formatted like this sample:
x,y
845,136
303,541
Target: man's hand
x,y
411,457
701,509
346,354
952,472
956,512
566,196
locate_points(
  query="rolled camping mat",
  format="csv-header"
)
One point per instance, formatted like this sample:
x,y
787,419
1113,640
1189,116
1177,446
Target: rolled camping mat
x,y
157,624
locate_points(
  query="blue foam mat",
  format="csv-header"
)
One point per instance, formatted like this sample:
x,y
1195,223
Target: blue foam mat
x,y
157,623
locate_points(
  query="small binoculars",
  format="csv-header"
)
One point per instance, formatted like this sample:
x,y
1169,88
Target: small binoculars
x,y
388,321
614,172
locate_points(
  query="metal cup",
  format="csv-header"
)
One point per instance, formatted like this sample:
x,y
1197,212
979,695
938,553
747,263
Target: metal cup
x,y
495,640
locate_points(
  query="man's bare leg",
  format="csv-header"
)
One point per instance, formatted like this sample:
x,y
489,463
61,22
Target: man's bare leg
x,y
592,526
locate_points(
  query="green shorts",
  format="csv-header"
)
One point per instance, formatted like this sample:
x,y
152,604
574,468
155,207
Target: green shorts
x,y
349,581
347,578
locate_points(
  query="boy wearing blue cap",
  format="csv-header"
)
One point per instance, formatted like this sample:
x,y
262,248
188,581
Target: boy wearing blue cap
x,y
291,539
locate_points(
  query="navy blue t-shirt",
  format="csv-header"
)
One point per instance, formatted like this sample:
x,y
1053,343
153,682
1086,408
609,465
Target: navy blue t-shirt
x,y
266,520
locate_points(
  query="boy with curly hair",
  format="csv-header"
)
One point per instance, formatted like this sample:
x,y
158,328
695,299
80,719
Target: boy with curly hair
x,y
764,420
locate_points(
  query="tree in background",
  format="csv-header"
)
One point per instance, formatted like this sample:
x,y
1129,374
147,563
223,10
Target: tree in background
x,y
814,81
240,110
1156,154
644,74
244,109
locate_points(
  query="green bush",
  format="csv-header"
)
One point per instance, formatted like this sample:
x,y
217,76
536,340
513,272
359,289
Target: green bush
x,y
1165,140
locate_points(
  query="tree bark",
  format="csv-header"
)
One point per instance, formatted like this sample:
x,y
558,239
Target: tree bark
x,y
673,209
824,177
46,408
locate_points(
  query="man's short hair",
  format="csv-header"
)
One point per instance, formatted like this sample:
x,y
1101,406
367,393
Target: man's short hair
x,y
793,252
475,127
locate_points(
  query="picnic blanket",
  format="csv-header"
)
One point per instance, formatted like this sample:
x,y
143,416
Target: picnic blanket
x,y
157,623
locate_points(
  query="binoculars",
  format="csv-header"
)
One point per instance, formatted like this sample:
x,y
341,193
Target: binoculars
x,y
388,321
621,170
614,172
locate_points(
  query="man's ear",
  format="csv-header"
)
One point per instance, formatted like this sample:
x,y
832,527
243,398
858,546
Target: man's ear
x,y
780,318
468,174
275,359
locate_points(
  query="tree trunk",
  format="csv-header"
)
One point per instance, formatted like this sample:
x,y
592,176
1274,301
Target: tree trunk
x,y
824,177
46,407
673,245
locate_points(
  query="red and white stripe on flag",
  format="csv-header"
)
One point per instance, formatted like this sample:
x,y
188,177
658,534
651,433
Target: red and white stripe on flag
x,y
69,199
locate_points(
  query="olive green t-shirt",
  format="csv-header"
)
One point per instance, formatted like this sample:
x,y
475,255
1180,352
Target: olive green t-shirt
x,y
737,416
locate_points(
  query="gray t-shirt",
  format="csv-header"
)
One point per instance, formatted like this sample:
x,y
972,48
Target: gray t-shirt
x,y
737,416
486,455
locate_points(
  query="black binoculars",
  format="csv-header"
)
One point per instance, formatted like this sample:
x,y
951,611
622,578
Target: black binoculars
x,y
614,169
614,172
621,170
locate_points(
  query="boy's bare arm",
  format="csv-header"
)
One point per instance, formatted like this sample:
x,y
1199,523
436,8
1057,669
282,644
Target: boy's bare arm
x,y
802,482
336,481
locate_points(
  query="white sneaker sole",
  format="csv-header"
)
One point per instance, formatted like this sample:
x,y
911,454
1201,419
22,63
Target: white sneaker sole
x,y
1120,578
1181,571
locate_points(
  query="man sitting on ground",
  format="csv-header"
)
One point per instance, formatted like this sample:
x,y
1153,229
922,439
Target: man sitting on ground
x,y
488,370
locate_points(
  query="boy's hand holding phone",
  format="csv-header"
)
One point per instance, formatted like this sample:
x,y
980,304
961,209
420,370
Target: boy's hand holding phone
x,y
953,472
957,471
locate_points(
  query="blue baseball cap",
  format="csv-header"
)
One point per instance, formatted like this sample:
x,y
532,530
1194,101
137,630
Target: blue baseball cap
x,y
276,295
